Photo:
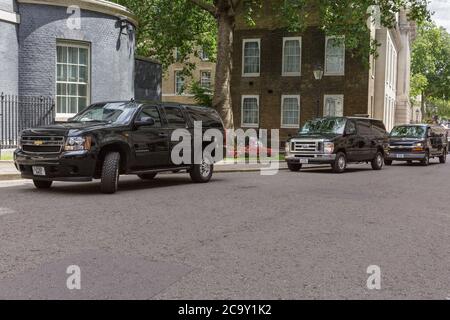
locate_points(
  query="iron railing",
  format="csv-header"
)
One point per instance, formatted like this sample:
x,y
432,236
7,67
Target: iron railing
x,y
21,112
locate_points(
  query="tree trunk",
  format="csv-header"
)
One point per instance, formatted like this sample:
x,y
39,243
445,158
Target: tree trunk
x,y
422,106
222,93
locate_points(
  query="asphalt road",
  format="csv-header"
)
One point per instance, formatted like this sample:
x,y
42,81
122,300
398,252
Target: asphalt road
x,y
308,235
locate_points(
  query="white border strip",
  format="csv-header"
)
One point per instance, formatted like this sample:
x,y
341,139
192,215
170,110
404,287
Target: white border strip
x,y
9,16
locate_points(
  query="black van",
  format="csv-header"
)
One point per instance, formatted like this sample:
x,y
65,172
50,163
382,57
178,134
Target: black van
x,y
418,142
112,138
338,141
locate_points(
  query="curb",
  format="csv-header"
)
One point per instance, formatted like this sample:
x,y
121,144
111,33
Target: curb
x,y
10,176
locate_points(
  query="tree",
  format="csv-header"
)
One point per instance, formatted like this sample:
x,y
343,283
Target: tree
x,y
190,24
431,64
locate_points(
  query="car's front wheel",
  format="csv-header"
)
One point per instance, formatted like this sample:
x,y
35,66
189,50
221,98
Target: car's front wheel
x,y
39,184
110,173
443,158
202,173
340,163
294,167
426,161
378,161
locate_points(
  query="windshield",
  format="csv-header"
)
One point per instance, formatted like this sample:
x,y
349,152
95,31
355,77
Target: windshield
x,y
331,125
116,112
408,131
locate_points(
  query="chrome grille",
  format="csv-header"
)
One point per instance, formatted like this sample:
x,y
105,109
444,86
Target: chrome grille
x,y
38,144
305,146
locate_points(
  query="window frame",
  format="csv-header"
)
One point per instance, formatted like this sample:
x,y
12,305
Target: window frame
x,y
291,74
79,45
176,71
325,96
244,41
290,126
250,125
327,73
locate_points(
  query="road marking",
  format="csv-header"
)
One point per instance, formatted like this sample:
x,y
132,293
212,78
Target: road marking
x,y
5,211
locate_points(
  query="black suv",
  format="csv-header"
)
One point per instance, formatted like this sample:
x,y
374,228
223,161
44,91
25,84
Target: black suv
x,y
418,142
113,138
338,141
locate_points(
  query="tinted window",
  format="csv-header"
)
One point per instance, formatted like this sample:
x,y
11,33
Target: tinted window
x,y
151,112
175,117
363,128
351,127
378,128
209,117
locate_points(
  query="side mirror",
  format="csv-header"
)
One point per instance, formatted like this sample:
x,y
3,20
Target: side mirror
x,y
145,122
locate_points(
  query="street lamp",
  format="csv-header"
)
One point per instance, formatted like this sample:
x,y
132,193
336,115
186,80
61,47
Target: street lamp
x,y
417,115
318,74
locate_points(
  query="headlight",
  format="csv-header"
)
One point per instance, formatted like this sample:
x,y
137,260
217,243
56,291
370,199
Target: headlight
x,y
19,142
78,143
418,146
328,147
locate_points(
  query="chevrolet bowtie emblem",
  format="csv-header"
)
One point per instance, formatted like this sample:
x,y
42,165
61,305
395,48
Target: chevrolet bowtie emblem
x,y
38,142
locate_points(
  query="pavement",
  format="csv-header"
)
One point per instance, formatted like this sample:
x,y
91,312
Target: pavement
x,y
306,235
9,172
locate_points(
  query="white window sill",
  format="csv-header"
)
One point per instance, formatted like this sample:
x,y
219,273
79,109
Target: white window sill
x,y
293,74
290,126
250,75
249,125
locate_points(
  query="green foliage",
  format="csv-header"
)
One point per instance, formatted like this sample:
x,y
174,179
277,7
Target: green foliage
x,y
202,96
431,62
442,107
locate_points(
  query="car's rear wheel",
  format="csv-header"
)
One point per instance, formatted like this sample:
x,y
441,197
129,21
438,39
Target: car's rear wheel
x,y
294,167
340,163
202,173
378,161
443,158
388,162
110,173
426,161
40,184
147,176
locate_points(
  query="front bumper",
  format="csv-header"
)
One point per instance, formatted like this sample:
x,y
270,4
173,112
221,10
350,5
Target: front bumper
x,y
67,166
316,158
405,156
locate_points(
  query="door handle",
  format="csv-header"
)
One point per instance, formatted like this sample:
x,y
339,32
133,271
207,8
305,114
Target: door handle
x,y
163,135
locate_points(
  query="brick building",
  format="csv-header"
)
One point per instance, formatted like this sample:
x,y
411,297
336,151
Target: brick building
x,y
273,83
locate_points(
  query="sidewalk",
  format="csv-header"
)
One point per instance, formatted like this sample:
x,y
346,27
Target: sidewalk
x,y
8,170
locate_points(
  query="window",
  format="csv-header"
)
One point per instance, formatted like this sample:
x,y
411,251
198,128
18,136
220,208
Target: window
x,y
292,51
251,57
179,83
151,112
334,56
250,111
351,127
203,55
333,106
290,111
177,55
205,79
364,127
72,79
175,117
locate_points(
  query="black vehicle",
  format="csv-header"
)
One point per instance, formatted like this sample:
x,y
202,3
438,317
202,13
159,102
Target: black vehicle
x,y
418,142
113,138
338,141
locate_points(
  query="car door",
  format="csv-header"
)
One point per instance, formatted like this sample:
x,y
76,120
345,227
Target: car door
x,y
351,141
379,136
176,119
364,147
150,142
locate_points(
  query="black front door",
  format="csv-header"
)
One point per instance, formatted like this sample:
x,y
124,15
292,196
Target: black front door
x,y
150,142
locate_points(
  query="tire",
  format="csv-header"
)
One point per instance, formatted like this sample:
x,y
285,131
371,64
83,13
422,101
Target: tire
x,y
40,184
110,173
294,167
340,163
202,173
443,158
425,162
147,176
388,162
378,161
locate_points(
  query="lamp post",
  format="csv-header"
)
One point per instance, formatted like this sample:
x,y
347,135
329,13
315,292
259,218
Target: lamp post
x,y
318,74
417,115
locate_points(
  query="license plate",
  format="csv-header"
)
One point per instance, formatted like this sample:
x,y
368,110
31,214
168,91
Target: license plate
x,y
304,161
39,171
400,156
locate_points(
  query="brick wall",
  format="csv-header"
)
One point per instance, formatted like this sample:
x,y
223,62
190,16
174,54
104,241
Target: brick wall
x,y
112,53
9,58
271,85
